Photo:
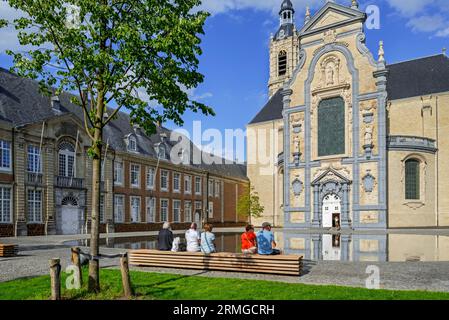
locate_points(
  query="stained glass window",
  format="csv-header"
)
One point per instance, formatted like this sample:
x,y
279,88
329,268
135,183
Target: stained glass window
x,y
331,127
412,180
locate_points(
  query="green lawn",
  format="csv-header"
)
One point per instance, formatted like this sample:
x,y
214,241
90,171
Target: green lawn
x,y
177,287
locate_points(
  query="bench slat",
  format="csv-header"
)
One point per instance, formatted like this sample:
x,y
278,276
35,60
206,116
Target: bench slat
x,y
282,265
180,264
250,270
221,254
206,259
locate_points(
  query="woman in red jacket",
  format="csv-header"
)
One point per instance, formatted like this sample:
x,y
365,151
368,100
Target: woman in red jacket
x,y
249,243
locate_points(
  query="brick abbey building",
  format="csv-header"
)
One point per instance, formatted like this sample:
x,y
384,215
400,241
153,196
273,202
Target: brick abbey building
x,y
45,174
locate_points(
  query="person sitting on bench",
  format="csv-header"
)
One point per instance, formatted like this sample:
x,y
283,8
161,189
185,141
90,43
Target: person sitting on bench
x,y
208,240
249,240
165,238
265,241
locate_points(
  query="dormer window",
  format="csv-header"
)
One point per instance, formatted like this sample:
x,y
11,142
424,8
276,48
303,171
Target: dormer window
x,y
132,144
161,151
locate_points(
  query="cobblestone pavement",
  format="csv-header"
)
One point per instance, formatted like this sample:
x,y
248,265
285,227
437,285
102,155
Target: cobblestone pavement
x,y
36,252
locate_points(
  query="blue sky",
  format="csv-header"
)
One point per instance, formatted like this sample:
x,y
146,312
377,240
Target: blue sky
x,y
235,59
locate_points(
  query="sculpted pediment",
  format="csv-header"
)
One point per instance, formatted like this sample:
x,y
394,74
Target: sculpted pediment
x,y
331,175
332,15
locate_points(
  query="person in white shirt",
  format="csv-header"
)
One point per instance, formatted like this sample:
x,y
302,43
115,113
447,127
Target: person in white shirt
x,y
193,238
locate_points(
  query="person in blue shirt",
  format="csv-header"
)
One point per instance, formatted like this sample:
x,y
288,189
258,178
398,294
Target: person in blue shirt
x,y
208,240
265,241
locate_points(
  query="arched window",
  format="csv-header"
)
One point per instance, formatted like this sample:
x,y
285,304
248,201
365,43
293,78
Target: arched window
x,y
66,158
331,127
282,63
412,179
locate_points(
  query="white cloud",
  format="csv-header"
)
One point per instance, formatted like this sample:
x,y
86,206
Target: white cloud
x,y
424,15
426,23
8,35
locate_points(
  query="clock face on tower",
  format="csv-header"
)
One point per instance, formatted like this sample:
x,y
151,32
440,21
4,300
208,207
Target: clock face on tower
x,y
281,34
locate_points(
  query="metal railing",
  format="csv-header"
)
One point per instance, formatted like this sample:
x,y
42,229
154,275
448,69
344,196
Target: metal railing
x,y
69,182
34,178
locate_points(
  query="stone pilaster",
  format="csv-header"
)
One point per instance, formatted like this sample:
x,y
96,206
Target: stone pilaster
x,y
109,195
48,159
20,191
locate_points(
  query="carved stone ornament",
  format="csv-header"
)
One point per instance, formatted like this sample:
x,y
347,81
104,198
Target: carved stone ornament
x,y
298,187
330,36
369,182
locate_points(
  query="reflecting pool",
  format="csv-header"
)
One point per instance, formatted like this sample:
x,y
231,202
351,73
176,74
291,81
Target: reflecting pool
x,y
328,247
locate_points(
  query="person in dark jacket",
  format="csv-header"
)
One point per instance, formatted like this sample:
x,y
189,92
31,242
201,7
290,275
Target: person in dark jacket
x,y
165,238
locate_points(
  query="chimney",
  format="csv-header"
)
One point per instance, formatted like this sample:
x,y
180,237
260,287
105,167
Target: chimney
x,y
55,103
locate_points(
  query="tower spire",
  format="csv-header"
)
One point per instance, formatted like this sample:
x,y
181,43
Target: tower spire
x,y
287,12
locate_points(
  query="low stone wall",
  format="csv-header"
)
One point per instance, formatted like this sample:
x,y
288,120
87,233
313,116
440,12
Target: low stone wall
x,y
6,230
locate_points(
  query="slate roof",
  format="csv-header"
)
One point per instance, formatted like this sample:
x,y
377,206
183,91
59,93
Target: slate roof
x,y
272,110
418,77
288,29
407,79
21,104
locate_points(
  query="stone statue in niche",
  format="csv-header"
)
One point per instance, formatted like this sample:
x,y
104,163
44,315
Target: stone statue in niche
x,y
330,75
368,136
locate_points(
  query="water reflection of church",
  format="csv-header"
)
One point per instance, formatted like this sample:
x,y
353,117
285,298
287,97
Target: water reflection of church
x,y
394,247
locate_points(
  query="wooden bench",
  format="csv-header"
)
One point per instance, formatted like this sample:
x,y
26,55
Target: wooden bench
x,y
290,265
8,250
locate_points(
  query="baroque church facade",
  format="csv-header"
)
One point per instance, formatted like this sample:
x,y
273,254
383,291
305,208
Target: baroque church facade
x,y
355,142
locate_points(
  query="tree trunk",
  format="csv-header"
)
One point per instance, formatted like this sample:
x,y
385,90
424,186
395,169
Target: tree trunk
x,y
96,149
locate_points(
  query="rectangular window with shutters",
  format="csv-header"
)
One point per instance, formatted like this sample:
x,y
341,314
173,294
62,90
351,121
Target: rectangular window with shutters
x,y
331,127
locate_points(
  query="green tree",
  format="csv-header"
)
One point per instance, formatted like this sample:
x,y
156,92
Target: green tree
x,y
107,52
249,205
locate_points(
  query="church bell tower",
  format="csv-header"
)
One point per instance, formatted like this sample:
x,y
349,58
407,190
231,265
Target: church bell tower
x,y
284,48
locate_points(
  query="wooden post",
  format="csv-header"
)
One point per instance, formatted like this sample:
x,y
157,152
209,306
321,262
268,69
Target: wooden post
x,y
124,267
55,276
77,262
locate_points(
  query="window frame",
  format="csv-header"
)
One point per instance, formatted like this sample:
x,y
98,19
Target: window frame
x,y
176,177
282,69
179,202
131,198
150,205
188,182
318,133
417,187
2,204
31,206
198,191
165,189
150,186
34,159
116,173
163,200
133,185
7,146
188,204
116,206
